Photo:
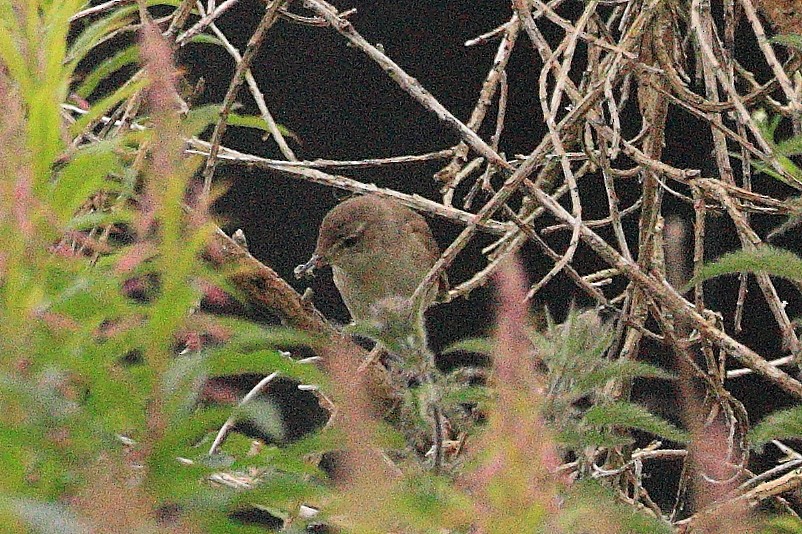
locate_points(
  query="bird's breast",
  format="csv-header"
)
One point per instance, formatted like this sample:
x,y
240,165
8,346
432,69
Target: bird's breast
x,y
365,281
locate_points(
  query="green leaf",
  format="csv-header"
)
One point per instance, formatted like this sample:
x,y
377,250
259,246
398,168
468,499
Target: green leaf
x,y
767,127
479,345
101,107
44,130
82,176
182,383
619,369
227,361
779,152
205,38
783,525
426,501
54,21
792,169
591,507
246,336
468,394
790,40
266,416
253,121
761,167
629,415
766,259
93,34
282,490
200,118
791,147
106,68
577,439
247,121
10,53
779,425
93,219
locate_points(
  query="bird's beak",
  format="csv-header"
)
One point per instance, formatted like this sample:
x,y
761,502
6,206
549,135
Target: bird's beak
x,y
308,268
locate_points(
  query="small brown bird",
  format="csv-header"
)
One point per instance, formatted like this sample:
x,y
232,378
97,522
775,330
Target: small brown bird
x,y
378,249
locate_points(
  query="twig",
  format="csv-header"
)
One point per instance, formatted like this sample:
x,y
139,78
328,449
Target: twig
x,y
737,373
404,80
595,223
313,175
231,421
352,164
669,297
272,127
448,173
727,83
771,59
254,43
487,36
204,22
105,6
751,498
548,113
750,241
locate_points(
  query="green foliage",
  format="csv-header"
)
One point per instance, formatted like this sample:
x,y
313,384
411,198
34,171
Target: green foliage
x,y
123,58
577,370
591,507
634,416
84,174
766,259
782,150
776,262
477,345
88,374
783,525
779,425
431,503
202,117
790,40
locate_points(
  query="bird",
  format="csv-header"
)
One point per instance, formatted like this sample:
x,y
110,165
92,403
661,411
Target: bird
x,y
378,249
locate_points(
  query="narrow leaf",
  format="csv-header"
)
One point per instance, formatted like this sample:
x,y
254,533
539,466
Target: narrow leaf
x,y
477,345
106,68
634,416
101,107
766,259
791,40
779,425
617,370
84,175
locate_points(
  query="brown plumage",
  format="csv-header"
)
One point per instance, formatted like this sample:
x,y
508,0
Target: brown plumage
x,y
377,248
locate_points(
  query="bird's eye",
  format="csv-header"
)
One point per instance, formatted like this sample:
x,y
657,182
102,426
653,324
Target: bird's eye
x,y
350,241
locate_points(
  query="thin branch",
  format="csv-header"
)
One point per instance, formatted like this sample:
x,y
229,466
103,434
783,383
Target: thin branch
x,y
231,421
254,44
272,127
404,80
668,297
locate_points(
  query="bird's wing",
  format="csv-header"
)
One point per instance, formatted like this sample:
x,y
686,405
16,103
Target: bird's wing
x,y
417,226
